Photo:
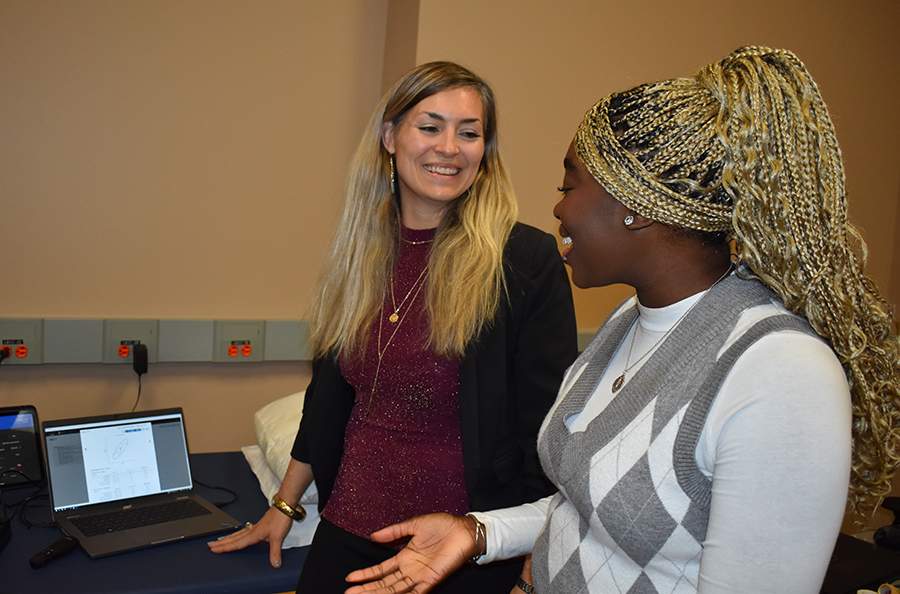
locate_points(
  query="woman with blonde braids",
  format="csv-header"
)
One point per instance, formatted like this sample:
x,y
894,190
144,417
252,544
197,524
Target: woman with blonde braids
x,y
441,330
704,441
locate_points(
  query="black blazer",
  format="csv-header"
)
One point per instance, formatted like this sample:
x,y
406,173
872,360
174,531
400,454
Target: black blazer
x,y
509,378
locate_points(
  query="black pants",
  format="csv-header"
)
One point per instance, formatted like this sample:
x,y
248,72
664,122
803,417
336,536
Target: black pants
x,y
334,553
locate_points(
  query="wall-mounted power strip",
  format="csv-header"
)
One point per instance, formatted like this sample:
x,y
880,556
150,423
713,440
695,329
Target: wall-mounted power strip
x,y
113,341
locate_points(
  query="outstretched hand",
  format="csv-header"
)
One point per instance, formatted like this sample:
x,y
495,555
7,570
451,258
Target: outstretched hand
x,y
273,527
440,544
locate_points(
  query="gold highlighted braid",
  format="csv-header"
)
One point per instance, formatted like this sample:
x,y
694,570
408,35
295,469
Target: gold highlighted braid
x,y
747,147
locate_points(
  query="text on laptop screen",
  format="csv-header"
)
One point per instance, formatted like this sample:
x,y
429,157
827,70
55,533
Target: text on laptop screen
x,y
96,462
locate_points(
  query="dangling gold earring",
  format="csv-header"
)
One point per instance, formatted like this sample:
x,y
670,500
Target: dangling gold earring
x,y
393,183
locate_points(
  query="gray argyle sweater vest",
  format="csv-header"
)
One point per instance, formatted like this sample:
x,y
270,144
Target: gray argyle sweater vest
x,y
632,508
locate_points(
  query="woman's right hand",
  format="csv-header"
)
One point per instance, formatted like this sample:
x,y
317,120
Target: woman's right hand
x,y
273,527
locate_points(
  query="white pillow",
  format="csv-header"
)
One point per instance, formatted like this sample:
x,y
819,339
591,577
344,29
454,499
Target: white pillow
x,y
301,533
276,427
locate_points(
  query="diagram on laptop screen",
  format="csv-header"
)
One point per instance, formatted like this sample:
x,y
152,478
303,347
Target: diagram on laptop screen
x,y
120,462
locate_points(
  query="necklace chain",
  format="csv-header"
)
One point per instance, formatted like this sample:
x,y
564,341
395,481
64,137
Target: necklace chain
x,y
381,351
619,381
417,242
395,316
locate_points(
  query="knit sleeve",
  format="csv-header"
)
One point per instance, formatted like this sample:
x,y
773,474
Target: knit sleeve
x,y
777,445
511,532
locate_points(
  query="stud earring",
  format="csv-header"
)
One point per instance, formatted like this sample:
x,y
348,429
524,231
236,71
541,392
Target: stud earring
x,y
628,220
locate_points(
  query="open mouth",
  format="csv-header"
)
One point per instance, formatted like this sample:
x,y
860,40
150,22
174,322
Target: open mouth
x,y
566,242
442,169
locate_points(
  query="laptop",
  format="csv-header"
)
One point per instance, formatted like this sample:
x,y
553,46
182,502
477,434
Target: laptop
x,y
134,465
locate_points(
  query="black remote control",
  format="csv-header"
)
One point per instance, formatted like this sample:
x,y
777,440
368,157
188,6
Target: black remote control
x,y
61,547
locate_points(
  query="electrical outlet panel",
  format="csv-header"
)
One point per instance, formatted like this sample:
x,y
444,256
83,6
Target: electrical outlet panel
x,y
239,341
186,340
119,336
287,340
22,340
73,341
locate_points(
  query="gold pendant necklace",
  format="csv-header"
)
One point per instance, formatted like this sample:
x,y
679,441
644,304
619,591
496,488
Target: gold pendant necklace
x,y
381,351
396,315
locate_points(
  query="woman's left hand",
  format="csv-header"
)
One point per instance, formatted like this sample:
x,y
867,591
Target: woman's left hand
x,y
440,545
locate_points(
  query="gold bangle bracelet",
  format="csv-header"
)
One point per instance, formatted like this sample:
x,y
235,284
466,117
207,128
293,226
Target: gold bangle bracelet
x,y
295,513
480,540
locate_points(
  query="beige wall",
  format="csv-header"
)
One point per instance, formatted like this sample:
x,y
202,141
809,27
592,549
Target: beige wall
x,y
177,159
185,158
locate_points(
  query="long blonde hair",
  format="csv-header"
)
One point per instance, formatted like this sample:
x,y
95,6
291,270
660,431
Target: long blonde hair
x,y
465,281
746,150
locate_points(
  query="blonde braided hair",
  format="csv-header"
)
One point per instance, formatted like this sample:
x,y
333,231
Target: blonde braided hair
x,y
746,147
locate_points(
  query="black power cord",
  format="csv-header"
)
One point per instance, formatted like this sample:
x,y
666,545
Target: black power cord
x,y
234,495
139,362
23,504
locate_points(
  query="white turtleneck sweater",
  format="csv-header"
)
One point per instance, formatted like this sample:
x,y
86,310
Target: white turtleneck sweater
x,y
772,524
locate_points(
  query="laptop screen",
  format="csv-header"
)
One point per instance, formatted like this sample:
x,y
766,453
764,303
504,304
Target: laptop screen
x,y
106,459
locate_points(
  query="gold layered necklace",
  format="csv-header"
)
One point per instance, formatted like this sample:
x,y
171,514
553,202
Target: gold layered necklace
x,y
396,315
394,318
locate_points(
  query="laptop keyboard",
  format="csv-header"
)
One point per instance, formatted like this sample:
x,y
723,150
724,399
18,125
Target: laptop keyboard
x,y
135,517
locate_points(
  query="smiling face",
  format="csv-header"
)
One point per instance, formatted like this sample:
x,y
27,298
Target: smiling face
x,y
438,147
592,226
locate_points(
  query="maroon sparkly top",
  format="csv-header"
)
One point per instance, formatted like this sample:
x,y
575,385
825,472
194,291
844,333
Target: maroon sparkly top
x,y
402,446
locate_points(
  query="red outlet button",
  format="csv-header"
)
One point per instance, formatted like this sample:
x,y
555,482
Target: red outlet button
x,y
21,351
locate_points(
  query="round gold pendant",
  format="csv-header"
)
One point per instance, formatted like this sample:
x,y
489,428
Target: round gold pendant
x,y
394,317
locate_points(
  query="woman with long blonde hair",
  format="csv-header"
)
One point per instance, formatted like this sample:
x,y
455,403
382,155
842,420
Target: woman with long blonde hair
x,y
440,329
706,438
